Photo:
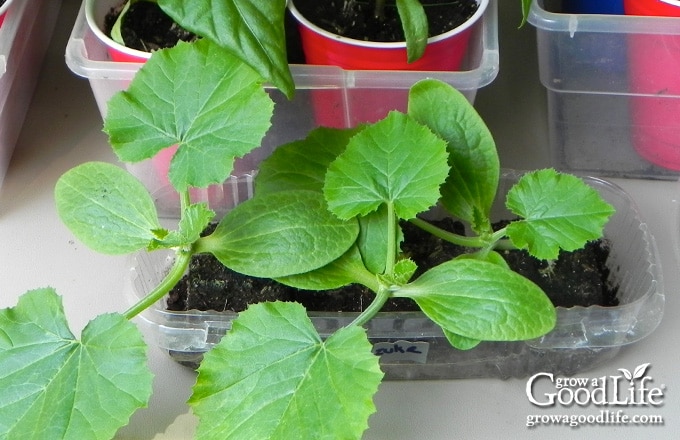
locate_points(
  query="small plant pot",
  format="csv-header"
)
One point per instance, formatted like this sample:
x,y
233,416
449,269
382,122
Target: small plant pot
x,y
654,61
95,14
413,347
444,52
3,10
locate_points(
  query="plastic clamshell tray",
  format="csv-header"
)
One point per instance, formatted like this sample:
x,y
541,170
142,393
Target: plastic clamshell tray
x,y
583,338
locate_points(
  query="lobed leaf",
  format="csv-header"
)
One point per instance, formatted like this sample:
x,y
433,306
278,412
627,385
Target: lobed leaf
x,y
559,211
272,377
253,30
395,161
196,96
54,386
286,233
107,208
470,189
480,300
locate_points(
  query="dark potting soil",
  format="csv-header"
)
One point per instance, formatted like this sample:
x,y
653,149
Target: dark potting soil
x,y
576,278
146,27
358,19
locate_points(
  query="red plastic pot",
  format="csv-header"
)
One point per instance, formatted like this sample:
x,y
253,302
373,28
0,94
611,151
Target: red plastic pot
x,y
3,10
342,108
95,13
654,62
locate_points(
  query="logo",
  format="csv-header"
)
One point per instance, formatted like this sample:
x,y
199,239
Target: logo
x,y
634,388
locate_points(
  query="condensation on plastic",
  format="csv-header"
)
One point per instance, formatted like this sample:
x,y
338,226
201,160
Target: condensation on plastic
x,y
583,338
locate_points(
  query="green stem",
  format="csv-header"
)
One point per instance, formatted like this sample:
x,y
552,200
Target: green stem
x,y
391,240
461,240
381,297
171,279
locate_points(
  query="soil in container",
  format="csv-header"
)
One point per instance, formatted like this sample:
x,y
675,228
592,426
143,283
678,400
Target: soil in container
x,y
359,19
146,27
578,278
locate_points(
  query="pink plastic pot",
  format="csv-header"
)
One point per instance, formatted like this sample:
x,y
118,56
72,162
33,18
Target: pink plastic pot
x,y
337,108
653,74
3,10
95,13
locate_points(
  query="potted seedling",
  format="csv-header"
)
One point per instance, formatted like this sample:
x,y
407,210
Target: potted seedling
x,y
273,375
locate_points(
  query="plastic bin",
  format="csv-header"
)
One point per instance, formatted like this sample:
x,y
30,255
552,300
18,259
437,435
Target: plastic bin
x,y
585,63
583,337
24,37
347,90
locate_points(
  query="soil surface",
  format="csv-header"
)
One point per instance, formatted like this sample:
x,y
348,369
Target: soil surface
x,y
358,19
576,279
147,28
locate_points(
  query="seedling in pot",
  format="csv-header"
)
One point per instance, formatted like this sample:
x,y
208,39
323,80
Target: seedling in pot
x,y
319,223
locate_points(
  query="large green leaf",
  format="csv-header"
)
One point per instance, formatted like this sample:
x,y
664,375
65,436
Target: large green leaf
x,y
470,190
56,387
394,161
559,211
302,164
280,234
272,377
479,300
199,97
107,209
253,30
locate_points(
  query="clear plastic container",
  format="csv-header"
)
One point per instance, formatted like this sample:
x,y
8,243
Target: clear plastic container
x,y
24,37
345,96
589,65
583,338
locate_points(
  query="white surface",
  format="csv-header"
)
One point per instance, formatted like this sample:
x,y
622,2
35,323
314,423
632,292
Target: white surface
x,y
63,128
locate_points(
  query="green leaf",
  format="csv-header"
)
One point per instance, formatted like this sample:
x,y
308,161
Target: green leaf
x,y
252,30
272,377
395,160
414,23
339,273
106,208
481,300
302,164
560,211
196,96
54,386
461,342
470,189
280,234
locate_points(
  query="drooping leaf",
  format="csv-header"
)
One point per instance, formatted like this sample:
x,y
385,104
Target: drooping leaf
x,y
396,161
345,270
253,30
272,377
559,211
471,187
414,23
461,342
106,208
196,96
482,301
54,386
286,233
302,164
